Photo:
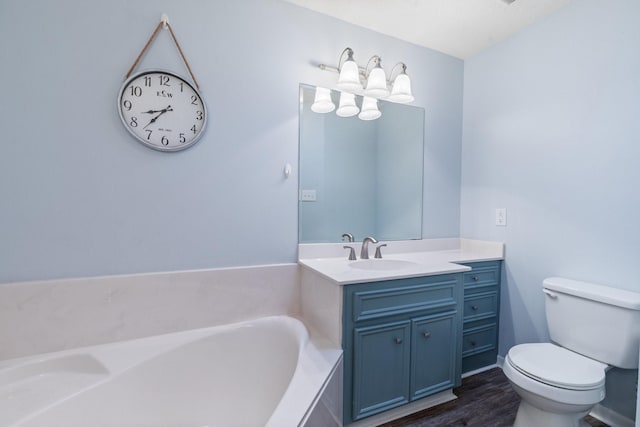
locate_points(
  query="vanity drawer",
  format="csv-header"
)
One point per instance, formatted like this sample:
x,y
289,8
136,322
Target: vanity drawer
x,y
379,300
481,277
480,306
479,339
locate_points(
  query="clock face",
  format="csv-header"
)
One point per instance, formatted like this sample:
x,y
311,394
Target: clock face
x,y
162,110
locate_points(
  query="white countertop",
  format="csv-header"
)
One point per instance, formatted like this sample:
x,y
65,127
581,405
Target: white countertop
x,y
421,258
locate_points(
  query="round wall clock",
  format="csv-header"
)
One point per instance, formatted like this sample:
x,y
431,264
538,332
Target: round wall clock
x,y
162,110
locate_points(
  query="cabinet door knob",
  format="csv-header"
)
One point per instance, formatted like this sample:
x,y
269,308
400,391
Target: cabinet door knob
x,y
427,334
398,340
476,278
473,343
474,307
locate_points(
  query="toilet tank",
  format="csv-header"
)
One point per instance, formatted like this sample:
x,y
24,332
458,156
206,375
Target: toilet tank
x,y
597,321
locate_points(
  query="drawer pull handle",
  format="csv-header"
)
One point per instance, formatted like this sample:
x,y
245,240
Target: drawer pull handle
x,y
474,307
398,340
427,334
473,343
476,278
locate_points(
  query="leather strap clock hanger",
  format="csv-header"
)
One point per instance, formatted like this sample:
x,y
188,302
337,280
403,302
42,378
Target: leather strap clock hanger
x,y
160,108
164,23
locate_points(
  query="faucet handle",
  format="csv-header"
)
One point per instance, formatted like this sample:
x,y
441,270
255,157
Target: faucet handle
x,y
352,253
378,253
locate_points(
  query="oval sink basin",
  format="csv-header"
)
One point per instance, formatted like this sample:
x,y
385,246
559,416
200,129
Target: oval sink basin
x,y
382,264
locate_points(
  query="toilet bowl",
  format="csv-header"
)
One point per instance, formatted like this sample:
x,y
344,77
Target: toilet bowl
x,y
558,387
591,327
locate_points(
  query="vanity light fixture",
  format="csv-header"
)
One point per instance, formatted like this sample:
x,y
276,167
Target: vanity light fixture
x,y
371,82
401,89
322,102
347,106
349,78
376,79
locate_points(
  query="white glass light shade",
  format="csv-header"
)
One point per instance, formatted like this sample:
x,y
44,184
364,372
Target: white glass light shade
x,y
347,107
322,102
377,83
349,78
401,90
369,109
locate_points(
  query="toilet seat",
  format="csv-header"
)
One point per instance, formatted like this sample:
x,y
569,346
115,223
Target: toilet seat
x,y
557,366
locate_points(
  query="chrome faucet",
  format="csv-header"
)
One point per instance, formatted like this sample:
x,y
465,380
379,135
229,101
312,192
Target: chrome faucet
x,y
364,252
347,236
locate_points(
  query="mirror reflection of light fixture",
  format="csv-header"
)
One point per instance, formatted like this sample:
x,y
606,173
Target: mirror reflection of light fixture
x,y
322,102
401,89
369,109
376,79
347,106
349,78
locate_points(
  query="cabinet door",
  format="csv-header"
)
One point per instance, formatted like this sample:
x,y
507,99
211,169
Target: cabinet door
x,y
380,368
433,354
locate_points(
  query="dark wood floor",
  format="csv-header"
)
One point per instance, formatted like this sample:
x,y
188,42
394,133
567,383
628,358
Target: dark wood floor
x,y
484,400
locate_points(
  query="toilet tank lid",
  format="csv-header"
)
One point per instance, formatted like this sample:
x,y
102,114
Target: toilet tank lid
x,y
592,291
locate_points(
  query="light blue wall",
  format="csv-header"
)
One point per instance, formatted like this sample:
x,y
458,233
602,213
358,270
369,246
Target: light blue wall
x,y
552,133
80,197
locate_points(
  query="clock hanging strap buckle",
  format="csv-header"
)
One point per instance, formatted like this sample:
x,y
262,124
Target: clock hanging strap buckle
x,y
164,23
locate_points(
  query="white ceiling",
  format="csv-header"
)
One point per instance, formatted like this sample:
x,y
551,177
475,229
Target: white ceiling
x,y
460,28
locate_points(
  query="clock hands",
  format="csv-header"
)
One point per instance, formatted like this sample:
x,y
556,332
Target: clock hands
x,y
157,111
153,120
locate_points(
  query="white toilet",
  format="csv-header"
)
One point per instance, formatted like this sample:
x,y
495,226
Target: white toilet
x,y
592,328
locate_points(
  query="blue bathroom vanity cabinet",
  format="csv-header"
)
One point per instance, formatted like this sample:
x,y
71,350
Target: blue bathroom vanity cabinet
x,y
401,341
407,339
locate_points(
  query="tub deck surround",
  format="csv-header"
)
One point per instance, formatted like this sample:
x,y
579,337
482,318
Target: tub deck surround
x,y
53,315
414,258
197,377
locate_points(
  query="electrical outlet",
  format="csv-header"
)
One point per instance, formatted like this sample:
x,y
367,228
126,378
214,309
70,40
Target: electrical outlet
x,y
308,195
501,217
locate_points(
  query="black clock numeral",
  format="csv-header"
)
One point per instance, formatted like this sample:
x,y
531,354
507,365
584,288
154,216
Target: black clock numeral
x,y
148,134
193,129
164,140
147,81
194,100
136,90
127,104
199,115
134,122
182,138
164,80
181,87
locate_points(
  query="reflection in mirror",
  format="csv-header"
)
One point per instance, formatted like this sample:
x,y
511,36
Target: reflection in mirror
x,y
360,177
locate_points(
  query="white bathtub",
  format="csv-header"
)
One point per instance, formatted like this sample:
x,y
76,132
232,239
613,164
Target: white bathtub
x,y
266,372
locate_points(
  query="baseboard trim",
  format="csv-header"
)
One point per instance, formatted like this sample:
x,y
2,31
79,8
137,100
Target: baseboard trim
x,y
479,370
610,417
403,411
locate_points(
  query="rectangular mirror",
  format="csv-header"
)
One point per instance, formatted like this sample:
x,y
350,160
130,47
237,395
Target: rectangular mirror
x,y
362,177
